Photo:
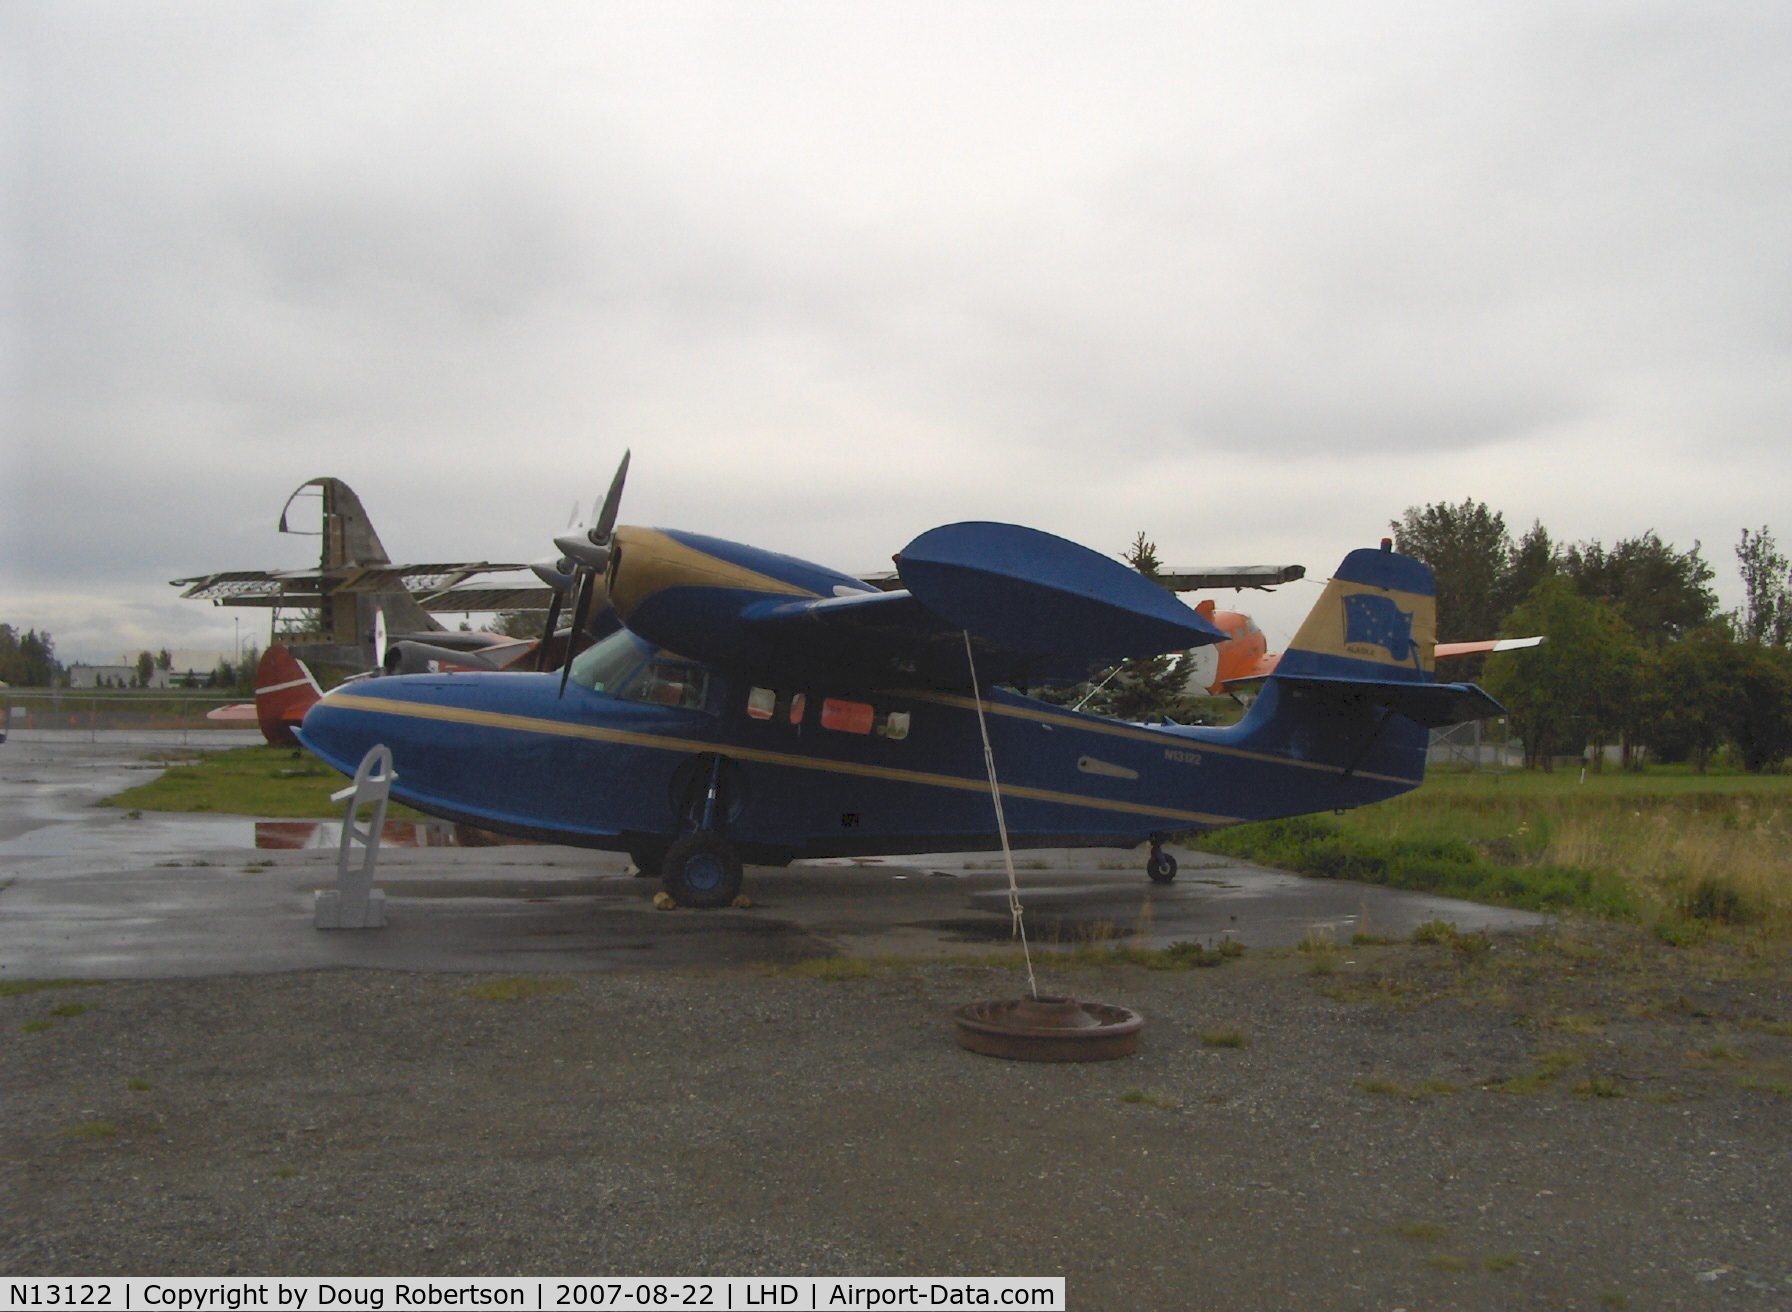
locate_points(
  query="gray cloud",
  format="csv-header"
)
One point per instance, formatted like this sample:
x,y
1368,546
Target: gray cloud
x,y
1253,279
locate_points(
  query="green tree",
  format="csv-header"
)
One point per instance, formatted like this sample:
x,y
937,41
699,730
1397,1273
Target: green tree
x,y
1572,690
1659,592
1469,552
146,669
1145,688
1531,560
1686,695
28,660
1766,590
1759,705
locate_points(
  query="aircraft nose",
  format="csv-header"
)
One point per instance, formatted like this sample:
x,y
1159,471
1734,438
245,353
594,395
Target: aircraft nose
x,y
341,728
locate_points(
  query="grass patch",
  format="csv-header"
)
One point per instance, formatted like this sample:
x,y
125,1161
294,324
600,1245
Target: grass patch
x,y
1665,847
1447,1262
90,1130
1423,1232
1411,1092
14,988
68,1010
1100,951
37,1026
1223,1038
1139,1098
266,781
1550,1066
830,968
516,988
1598,1086
1754,1083
136,1085
1497,1262
1720,1052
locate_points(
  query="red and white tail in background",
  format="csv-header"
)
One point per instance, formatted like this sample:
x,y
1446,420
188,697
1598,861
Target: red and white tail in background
x,y
284,691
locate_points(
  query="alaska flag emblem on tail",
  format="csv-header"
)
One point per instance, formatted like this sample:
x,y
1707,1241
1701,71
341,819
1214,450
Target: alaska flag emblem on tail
x,y
1377,622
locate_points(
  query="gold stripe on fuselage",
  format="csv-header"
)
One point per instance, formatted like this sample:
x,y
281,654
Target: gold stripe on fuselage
x,y
661,742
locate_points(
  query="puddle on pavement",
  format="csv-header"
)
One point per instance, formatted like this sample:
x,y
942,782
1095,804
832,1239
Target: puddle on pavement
x,y
1051,931
151,834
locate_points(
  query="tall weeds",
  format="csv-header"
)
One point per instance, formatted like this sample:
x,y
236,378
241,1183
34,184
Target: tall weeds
x,y
1632,848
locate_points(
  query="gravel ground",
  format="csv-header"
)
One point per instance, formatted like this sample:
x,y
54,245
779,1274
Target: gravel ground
x,y
1348,1154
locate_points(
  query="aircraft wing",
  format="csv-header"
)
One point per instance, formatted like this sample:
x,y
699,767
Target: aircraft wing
x,y
1039,611
1209,578
443,587
1177,578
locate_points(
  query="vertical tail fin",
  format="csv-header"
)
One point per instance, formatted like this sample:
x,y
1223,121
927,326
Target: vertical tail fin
x,y
1372,636
284,691
1377,619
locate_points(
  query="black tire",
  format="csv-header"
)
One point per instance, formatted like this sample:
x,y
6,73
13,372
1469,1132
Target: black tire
x,y
1161,866
701,870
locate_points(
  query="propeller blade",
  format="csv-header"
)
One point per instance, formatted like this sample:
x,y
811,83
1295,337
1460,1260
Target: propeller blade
x,y
606,517
547,634
580,613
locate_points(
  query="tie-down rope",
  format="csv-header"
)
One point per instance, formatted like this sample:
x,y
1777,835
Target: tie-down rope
x,y
995,792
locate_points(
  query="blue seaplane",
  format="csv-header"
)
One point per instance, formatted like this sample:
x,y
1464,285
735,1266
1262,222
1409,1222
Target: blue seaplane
x,y
742,706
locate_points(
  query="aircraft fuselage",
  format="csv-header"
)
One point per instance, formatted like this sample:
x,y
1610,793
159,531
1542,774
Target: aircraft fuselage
x,y
813,772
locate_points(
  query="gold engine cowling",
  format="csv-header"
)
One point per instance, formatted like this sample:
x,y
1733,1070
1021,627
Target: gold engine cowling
x,y
645,561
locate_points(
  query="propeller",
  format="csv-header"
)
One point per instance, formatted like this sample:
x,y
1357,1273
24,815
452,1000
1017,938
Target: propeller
x,y
584,557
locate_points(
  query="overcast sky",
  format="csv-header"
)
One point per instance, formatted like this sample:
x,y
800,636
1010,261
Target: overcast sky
x,y
1252,277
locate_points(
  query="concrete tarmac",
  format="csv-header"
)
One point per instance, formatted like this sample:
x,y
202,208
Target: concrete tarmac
x,y
91,892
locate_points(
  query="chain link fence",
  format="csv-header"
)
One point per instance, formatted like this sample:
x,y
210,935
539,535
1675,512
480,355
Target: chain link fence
x,y
169,716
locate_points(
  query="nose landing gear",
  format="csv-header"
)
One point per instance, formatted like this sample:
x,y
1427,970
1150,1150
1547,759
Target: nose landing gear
x,y
1160,865
702,869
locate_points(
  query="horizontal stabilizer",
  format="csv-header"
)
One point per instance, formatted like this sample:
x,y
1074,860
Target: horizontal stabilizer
x,y
1446,649
1430,704
1031,591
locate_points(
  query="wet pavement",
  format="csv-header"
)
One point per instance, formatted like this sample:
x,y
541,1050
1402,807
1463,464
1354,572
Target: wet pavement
x,y
89,891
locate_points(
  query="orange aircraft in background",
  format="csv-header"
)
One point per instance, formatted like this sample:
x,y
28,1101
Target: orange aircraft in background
x,y
1243,660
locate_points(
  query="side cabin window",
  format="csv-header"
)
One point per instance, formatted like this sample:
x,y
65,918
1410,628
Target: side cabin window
x,y
839,714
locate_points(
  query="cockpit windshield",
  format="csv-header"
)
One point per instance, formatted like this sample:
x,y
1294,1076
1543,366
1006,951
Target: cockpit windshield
x,y
625,666
606,665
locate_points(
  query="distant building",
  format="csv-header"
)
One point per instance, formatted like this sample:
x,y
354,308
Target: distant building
x,y
188,669
102,676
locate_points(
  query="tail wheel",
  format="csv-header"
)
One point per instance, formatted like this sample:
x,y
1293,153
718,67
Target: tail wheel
x,y
702,870
1161,866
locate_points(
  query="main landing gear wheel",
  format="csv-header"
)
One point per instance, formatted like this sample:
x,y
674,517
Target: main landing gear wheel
x,y
1161,866
702,870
